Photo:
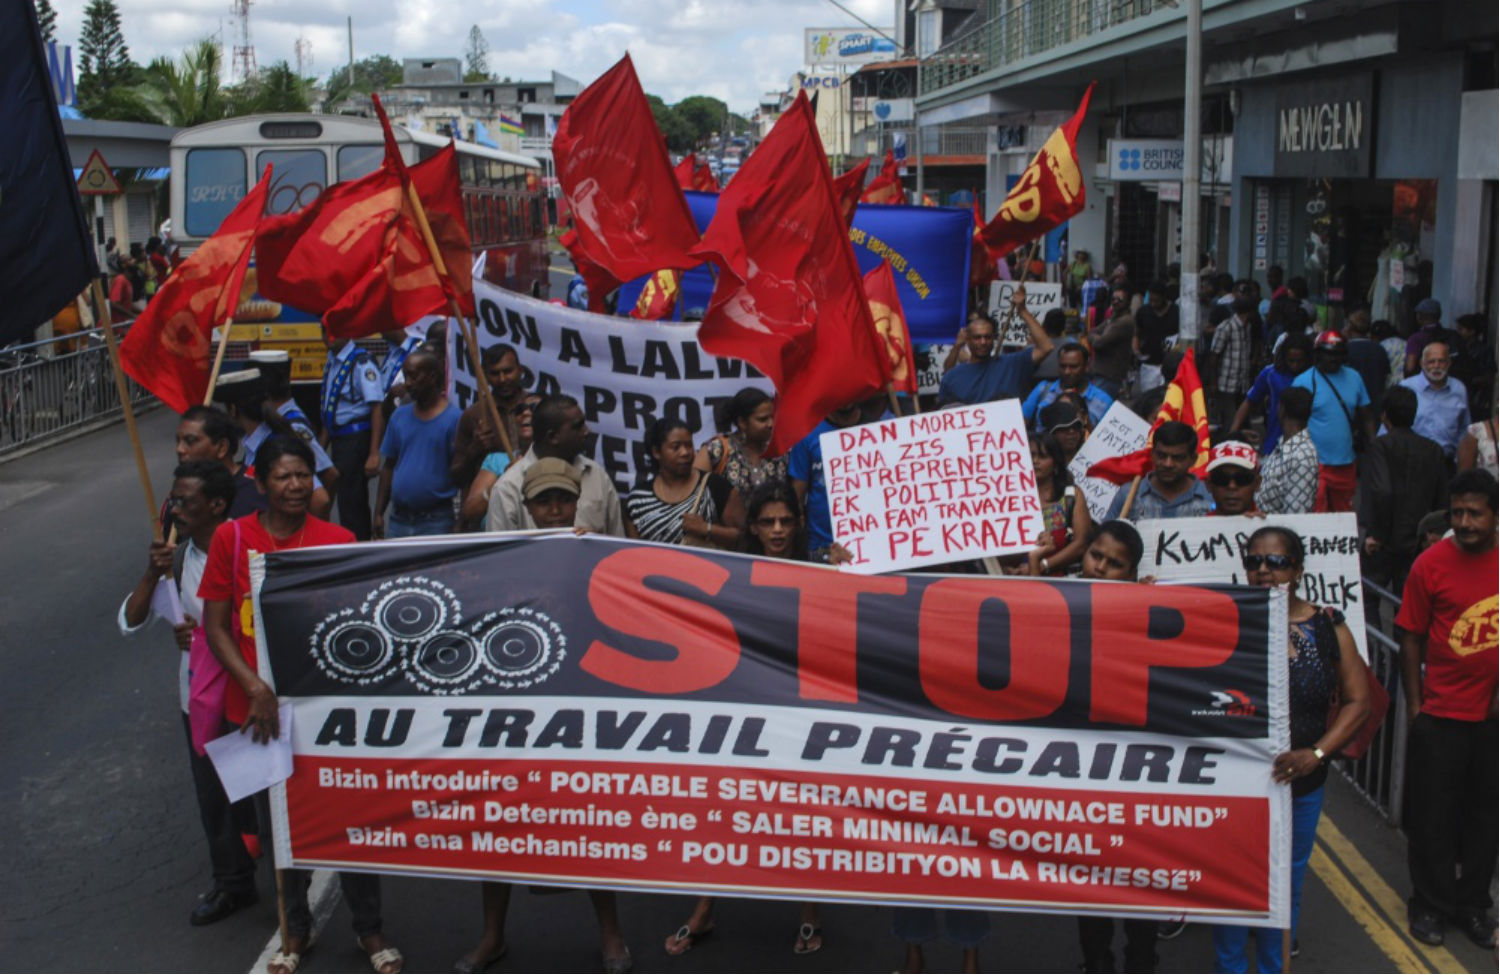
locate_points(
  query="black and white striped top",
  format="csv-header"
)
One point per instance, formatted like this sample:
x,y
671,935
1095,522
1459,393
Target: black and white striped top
x,y
657,521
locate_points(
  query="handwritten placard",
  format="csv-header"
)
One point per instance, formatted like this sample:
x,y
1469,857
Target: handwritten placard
x,y
930,375
1119,432
1041,297
933,488
1210,550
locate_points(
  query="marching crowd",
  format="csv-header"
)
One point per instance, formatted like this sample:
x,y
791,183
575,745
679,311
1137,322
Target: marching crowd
x,y
1399,429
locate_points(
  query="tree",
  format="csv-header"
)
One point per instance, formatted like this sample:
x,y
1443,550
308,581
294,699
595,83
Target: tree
x,y
703,115
187,92
46,19
104,63
277,89
476,56
374,73
674,129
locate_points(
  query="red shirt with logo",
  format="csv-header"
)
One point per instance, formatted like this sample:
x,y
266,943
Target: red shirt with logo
x,y
226,577
1451,597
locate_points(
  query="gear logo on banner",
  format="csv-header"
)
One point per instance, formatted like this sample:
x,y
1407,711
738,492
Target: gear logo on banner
x,y
415,626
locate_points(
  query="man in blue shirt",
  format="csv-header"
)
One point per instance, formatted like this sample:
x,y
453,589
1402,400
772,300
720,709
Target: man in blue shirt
x,y
349,403
804,468
987,377
1170,490
1072,376
1341,405
416,451
1442,401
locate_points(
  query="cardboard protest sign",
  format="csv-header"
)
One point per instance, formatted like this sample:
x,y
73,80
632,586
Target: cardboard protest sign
x,y
933,488
1202,550
625,373
930,369
1041,297
646,717
1119,432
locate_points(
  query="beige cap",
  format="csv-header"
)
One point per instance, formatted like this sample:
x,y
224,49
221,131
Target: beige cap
x,y
548,473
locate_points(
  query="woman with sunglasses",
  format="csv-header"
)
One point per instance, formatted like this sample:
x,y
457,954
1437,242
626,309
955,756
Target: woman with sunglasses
x,y
477,501
1322,662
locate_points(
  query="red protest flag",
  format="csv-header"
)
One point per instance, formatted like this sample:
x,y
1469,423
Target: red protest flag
x,y
1184,402
1048,193
169,346
890,324
659,296
357,256
887,187
628,208
685,171
599,281
789,299
982,268
703,179
848,187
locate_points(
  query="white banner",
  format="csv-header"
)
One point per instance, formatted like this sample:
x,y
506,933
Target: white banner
x,y
625,373
1209,550
1119,432
933,488
1041,297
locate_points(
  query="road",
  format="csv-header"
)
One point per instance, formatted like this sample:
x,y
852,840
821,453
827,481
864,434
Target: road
x,y
105,856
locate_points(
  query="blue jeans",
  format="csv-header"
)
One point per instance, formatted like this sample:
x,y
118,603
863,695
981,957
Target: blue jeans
x,y
1230,942
919,925
405,523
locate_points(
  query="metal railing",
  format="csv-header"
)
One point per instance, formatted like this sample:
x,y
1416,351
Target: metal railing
x,y
54,387
1013,31
1380,775
937,140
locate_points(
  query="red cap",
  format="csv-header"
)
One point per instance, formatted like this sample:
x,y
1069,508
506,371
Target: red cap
x,y
1329,340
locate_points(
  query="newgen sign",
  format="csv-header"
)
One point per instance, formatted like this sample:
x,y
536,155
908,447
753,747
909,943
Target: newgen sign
x,y
1325,128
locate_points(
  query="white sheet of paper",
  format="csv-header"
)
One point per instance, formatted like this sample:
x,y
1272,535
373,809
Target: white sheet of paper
x,y
1117,433
165,601
245,766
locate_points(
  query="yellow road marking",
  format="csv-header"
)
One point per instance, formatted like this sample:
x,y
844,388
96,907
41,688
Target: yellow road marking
x,y
1375,924
1380,893
561,270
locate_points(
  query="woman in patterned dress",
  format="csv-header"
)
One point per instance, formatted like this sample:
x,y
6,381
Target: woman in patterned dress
x,y
738,452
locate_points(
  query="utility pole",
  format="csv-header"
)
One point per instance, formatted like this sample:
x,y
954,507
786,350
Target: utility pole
x,y
351,52
1192,167
916,125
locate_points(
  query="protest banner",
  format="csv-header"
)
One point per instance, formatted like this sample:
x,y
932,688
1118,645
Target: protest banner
x,y
625,373
1041,297
1118,433
933,488
928,247
587,710
930,368
1202,550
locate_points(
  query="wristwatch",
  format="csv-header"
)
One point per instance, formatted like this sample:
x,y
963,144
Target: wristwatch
x,y
1321,756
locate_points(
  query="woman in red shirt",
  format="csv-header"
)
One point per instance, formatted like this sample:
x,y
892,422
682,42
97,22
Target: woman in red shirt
x,y
284,472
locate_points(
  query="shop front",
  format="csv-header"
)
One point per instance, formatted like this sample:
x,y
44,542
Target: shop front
x,y
1347,181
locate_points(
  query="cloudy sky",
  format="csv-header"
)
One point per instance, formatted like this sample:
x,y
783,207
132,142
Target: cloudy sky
x,y
732,49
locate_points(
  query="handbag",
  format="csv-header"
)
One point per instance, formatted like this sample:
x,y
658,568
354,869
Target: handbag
x,y
1380,706
207,681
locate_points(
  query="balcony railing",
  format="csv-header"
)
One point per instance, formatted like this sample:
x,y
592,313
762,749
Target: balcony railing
x,y
1014,31
938,140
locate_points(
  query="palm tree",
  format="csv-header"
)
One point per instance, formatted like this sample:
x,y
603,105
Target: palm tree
x,y
277,89
187,92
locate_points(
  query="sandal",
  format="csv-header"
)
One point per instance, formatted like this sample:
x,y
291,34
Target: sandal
x,y
683,941
385,956
809,939
287,962
465,967
619,965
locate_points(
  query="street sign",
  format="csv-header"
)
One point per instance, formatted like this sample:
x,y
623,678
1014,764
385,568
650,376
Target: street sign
x,y
97,179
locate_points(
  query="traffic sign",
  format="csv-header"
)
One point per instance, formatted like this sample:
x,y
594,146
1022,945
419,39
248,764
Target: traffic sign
x,y
97,179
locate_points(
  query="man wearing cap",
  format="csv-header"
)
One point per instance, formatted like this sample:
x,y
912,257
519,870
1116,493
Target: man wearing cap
x,y
550,492
1341,408
1233,478
1072,375
1063,421
1289,475
560,431
1442,401
1429,314
988,377
1170,490
348,399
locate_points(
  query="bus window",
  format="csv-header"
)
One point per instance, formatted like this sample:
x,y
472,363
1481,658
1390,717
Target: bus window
x,y
297,177
357,161
215,184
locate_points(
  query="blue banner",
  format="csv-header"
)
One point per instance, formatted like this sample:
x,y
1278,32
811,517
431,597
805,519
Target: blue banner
x,y
45,256
928,247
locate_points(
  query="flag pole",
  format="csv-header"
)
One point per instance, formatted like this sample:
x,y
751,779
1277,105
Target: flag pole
x,y
1135,485
471,341
1010,313
213,374
123,388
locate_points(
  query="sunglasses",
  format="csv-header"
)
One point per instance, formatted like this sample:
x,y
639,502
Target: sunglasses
x,y
1253,563
521,409
1241,478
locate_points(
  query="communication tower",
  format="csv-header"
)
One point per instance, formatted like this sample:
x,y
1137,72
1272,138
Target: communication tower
x,y
244,66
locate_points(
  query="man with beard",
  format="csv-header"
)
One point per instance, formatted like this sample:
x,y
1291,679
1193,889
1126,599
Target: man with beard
x,y
477,437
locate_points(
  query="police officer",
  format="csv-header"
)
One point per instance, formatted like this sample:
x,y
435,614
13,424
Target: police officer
x,y
401,345
275,367
353,422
